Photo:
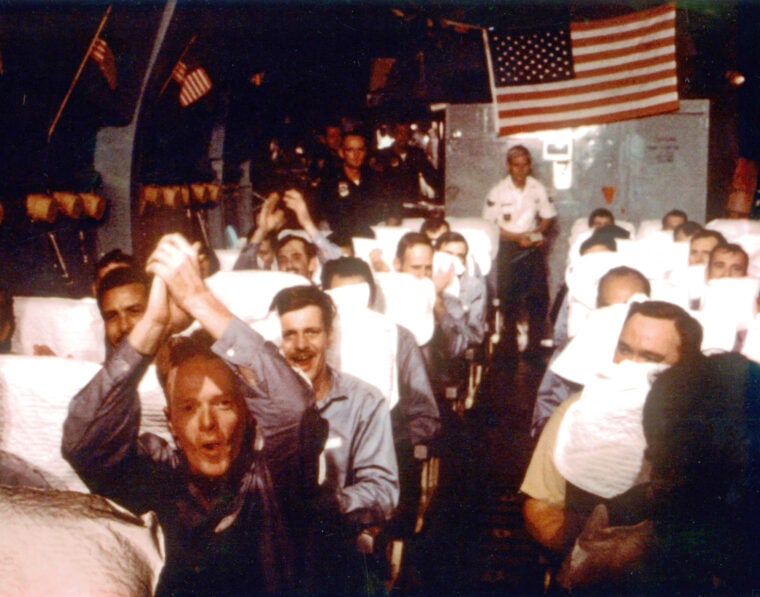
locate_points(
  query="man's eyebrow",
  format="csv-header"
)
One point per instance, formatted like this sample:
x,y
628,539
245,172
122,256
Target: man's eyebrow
x,y
654,357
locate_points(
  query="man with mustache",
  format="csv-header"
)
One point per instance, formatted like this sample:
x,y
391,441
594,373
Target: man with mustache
x,y
359,476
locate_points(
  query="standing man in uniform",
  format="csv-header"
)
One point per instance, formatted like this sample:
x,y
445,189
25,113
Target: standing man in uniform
x,y
354,200
520,206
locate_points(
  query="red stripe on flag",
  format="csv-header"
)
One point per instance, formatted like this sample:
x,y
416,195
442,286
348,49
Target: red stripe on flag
x,y
195,85
601,119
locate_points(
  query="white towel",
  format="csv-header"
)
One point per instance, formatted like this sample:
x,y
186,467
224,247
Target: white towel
x,y
409,302
600,443
365,343
593,346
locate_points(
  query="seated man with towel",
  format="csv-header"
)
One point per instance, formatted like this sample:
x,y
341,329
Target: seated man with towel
x,y
562,482
297,251
415,419
213,493
459,318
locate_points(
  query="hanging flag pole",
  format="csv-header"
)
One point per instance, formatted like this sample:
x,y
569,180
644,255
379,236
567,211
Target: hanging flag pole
x,y
79,72
181,57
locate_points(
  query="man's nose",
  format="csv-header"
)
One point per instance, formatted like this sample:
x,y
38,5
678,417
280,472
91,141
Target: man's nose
x,y
301,342
207,417
125,324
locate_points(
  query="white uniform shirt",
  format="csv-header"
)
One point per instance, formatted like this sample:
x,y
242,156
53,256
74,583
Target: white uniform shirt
x,y
515,210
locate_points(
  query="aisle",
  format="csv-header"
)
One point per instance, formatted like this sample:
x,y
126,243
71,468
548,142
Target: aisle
x,y
473,541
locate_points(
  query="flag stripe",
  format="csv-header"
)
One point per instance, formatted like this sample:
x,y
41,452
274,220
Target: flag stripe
x,y
618,96
582,41
587,118
195,85
607,53
624,67
609,79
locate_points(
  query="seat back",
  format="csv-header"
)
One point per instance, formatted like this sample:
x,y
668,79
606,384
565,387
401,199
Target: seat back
x,y
70,327
582,279
733,229
653,257
248,294
34,399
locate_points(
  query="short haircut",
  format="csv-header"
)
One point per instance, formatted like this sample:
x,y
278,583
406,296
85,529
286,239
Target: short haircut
x,y
332,123
707,233
518,150
343,239
689,228
433,223
355,133
411,239
620,272
731,248
607,236
178,349
605,240
309,248
600,212
451,237
675,212
345,267
299,297
121,276
114,256
688,328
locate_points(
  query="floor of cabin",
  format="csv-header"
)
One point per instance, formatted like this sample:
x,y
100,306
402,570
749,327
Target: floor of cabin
x,y
473,539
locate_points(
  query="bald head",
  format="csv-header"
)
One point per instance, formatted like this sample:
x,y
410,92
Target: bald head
x,y
619,284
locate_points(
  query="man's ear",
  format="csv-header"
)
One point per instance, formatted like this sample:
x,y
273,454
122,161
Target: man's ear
x,y
312,266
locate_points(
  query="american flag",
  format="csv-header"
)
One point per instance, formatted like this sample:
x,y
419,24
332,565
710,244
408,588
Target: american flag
x,y
592,73
193,85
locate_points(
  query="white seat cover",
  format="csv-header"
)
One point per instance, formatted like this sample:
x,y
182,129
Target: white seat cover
x,y
70,327
734,229
248,294
582,278
34,399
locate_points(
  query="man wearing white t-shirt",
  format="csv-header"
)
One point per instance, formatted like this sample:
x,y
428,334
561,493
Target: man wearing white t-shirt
x,y
520,206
